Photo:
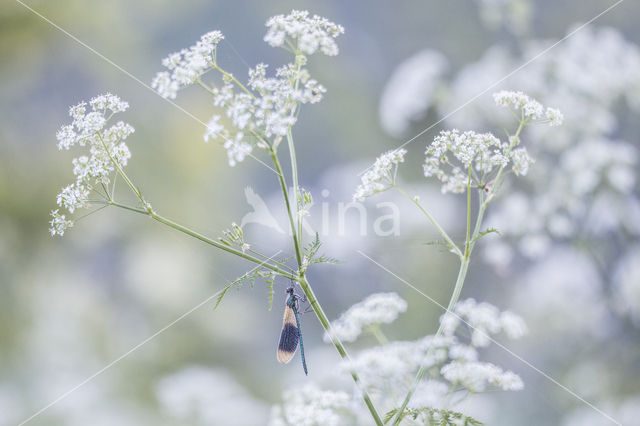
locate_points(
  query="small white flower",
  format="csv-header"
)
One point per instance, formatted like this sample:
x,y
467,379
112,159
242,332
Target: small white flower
x,y
380,176
66,137
530,108
452,153
106,146
187,65
237,150
485,320
59,223
73,197
310,406
379,308
508,381
214,129
110,102
521,161
554,116
513,325
308,34
475,376
463,353
165,85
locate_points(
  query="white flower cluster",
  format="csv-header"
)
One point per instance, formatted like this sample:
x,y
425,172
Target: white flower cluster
x,y
589,188
475,376
187,65
452,153
266,108
392,366
59,223
379,308
454,370
198,395
484,320
448,358
531,109
304,33
311,406
380,176
106,146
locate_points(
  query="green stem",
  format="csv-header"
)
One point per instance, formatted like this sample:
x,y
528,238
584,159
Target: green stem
x,y
462,273
322,317
285,194
296,230
464,263
466,247
515,140
444,234
294,174
204,239
232,78
123,174
378,334
149,211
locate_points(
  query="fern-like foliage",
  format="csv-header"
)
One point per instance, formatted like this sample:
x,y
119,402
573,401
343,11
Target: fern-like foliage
x,y
434,417
485,232
311,256
250,278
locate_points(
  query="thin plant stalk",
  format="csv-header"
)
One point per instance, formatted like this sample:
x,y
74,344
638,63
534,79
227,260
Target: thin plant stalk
x,y
469,243
304,283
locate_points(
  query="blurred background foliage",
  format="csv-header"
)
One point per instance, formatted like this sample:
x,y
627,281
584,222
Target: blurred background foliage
x,y
70,306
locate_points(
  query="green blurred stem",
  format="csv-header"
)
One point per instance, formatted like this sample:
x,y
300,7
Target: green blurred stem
x,y
322,317
203,238
285,194
302,280
378,334
232,78
444,234
296,190
464,259
148,210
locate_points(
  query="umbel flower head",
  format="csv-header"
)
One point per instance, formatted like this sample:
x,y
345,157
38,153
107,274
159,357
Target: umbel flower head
x,y
308,34
458,159
378,308
531,110
107,150
187,65
381,176
262,111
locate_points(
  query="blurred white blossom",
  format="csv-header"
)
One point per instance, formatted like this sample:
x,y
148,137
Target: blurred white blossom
x,y
484,320
410,90
311,406
204,396
388,369
379,308
475,376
